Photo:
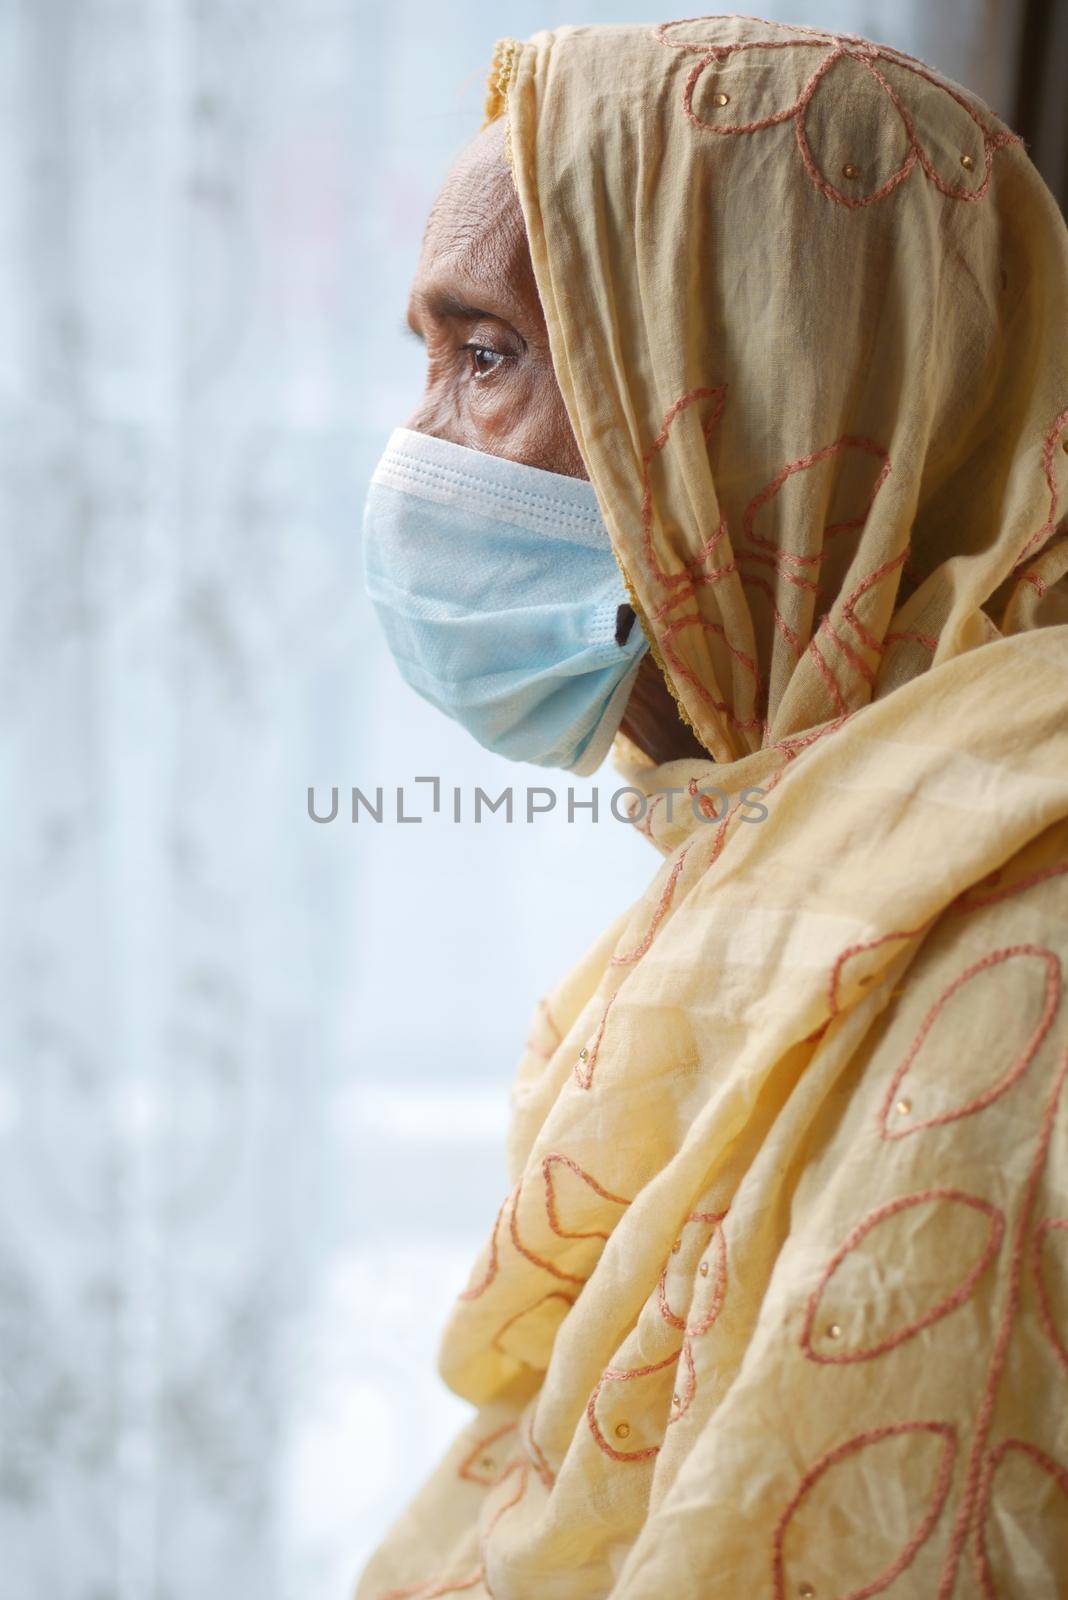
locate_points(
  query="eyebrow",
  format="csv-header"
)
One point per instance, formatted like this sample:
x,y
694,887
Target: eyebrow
x,y
442,305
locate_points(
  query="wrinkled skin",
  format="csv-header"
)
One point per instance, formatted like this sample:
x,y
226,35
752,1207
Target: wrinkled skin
x,y
490,382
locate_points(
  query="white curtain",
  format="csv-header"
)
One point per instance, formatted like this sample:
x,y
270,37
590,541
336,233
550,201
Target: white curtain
x,y
241,1174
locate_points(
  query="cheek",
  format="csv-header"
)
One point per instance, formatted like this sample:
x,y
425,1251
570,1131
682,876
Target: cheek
x,y
521,416
524,418
499,404
550,440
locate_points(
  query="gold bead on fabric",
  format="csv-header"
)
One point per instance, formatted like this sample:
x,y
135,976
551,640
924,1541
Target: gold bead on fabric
x,y
806,1591
584,1054
903,1108
703,1269
968,162
721,99
850,171
622,1430
676,1247
675,1400
834,1331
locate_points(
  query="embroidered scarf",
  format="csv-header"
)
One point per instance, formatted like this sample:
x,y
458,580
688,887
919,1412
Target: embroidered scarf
x,y
777,1303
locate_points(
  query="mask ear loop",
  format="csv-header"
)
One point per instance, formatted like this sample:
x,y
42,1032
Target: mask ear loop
x,y
654,651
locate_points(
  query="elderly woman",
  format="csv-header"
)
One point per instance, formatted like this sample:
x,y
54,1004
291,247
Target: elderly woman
x,y
745,434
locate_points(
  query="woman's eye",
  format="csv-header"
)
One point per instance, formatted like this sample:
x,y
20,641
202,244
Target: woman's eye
x,y
483,360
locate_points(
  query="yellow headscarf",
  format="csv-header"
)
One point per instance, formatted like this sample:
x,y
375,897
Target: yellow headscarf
x,y
778,1302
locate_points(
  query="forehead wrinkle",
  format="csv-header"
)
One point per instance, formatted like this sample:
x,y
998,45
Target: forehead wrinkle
x,y
476,222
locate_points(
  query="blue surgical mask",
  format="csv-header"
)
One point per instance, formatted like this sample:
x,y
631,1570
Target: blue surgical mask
x,y
500,599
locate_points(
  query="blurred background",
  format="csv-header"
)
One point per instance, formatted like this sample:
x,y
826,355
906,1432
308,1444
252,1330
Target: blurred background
x,y
254,1070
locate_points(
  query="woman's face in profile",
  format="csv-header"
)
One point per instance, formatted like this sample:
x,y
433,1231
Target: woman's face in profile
x,y
490,383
